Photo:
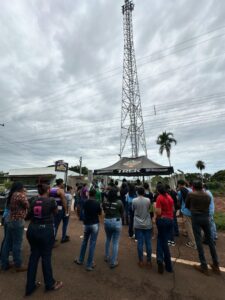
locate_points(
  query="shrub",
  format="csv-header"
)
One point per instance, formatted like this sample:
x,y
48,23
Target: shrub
x,y
220,220
219,176
215,185
217,188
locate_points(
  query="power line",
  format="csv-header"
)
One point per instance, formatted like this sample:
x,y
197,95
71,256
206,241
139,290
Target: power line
x,y
158,74
183,67
185,41
157,59
176,107
101,147
154,125
86,80
150,55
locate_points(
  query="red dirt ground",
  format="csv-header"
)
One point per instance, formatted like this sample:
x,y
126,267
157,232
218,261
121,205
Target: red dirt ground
x,y
220,203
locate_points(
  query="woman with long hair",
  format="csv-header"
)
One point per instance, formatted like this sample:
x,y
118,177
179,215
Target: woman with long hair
x,y
113,209
123,193
40,235
129,199
164,222
17,204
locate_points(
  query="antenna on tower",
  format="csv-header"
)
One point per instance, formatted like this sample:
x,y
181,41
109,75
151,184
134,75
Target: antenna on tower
x,y
132,126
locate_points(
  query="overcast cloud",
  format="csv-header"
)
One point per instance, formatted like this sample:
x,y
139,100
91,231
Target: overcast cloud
x,y
61,80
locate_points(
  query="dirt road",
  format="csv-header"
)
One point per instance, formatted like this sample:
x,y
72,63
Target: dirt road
x,y
126,282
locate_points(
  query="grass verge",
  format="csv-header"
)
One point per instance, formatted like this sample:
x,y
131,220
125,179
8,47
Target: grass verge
x,y
220,220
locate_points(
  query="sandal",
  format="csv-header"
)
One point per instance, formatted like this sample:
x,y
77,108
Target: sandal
x,y
37,285
56,286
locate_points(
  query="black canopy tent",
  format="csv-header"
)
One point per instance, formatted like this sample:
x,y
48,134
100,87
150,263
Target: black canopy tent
x,y
139,166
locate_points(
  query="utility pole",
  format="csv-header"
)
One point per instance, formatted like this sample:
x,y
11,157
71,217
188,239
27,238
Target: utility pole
x,y
132,126
80,165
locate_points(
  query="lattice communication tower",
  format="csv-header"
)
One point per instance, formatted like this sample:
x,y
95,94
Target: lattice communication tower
x,y
132,126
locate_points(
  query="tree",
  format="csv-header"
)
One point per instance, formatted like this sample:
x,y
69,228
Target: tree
x,y
219,176
156,179
200,165
8,184
165,141
207,177
190,177
84,170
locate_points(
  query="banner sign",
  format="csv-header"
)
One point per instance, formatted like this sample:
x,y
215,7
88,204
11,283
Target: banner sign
x,y
61,166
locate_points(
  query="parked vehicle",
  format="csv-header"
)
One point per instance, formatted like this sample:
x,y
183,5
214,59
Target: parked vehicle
x,y
31,194
3,197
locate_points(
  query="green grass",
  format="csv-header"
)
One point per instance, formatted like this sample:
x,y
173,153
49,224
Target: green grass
x,y
220,220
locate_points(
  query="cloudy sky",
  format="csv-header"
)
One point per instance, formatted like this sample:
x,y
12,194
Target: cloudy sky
x,y
61,80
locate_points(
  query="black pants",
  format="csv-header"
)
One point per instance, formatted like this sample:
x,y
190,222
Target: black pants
x,y
3,239
201,221
41,239
131,222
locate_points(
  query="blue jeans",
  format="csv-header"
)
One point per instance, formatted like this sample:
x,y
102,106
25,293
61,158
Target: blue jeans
x,y
76,201
90,232
144,236
213,227
164,227
112,229
64,226
174,229
126,211
201,222
5,228
57,220
41,239
13,241
81,206
175,224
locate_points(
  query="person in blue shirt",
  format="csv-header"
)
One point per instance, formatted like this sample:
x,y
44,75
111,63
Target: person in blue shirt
x,y
129,199
182,195
211,214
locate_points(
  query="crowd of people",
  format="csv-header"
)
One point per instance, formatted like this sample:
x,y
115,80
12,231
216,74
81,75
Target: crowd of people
x,y
130,204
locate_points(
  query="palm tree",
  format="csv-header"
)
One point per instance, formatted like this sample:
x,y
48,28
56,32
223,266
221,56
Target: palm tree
x,y
200,165
165,141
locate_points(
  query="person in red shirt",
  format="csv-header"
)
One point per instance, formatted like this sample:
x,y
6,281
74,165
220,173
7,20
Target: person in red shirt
x,y
164,222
